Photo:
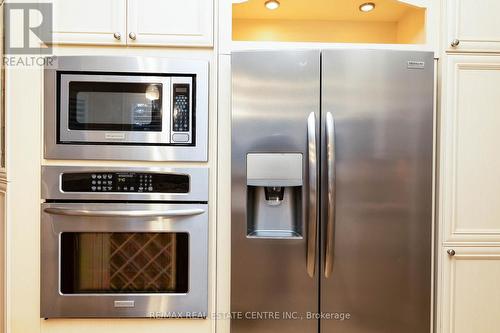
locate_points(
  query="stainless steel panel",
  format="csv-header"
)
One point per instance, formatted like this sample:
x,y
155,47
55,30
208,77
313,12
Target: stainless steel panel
x,y
111,64
273,94
51,184
54,304
383,112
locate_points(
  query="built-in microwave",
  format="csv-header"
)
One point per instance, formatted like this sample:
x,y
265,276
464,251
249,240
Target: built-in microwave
x,y
126,108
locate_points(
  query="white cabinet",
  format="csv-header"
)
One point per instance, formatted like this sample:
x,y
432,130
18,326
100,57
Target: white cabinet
x,y
170,22
474,23
134,22
470,294
89,21
470,155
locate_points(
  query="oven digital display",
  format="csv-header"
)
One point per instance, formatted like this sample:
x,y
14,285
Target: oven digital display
x,y
125,182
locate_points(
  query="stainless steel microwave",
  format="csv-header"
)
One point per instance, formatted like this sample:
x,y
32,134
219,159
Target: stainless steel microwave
x,y
126,108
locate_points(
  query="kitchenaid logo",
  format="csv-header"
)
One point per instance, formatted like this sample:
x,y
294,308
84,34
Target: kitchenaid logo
x,y
28,34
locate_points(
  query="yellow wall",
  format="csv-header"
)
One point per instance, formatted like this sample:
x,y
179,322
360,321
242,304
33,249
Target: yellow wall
x,y
411,27
314,31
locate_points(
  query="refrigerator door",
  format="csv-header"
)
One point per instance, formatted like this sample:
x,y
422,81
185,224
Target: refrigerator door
x,y
275,242
377,130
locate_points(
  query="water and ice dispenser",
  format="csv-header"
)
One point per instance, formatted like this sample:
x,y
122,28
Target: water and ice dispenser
x,y
274,195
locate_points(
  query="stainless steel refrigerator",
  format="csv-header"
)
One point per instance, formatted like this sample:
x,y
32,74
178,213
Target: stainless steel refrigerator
x,y
331,191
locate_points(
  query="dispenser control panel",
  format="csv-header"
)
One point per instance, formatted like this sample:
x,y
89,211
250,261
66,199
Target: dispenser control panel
x,y
122,182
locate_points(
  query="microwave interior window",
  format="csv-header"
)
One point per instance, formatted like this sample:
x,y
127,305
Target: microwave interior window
x,y
115,106
120,262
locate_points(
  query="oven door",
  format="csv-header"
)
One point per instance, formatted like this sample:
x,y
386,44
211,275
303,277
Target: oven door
x,y
124,260
123,109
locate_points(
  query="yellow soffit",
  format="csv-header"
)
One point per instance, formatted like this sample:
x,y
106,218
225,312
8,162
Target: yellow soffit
x,y
328,10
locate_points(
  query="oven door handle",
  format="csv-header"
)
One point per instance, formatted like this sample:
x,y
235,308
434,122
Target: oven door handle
x,y
124,213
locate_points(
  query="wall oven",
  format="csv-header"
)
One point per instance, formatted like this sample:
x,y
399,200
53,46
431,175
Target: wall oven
x,y
126,108
124,242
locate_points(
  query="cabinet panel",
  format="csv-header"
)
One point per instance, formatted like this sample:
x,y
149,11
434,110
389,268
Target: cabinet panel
x,y
170,22
470,294
474,23
89,21
470,162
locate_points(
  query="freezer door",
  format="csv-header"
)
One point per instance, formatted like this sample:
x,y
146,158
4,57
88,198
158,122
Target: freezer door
x,y
377,130
275,125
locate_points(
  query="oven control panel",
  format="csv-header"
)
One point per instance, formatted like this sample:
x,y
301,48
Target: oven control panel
x,y
125,182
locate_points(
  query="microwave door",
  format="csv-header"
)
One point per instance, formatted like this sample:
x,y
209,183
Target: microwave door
x,y
101,109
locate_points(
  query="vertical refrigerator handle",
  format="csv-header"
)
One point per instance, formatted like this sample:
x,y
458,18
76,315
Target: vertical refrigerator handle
x,y
312,197
330,218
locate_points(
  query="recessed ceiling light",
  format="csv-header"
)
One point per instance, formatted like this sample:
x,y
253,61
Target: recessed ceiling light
x,y
367,7
272,4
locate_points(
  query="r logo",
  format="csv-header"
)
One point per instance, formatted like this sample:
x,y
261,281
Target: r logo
x,y
28,28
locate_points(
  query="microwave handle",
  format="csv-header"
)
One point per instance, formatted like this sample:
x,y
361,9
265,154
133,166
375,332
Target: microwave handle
x,y
124,213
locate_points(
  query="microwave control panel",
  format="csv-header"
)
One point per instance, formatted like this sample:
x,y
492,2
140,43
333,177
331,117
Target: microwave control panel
x,y
125,182
182,115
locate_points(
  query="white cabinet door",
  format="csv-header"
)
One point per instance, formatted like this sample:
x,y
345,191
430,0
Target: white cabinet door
x,y
170,22
89,21
469,205
474,23
470,296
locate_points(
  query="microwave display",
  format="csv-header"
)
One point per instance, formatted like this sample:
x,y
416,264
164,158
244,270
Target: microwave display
x,y
115,106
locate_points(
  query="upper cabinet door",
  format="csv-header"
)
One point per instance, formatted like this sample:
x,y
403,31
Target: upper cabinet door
x,y
90,22
170,22
473,25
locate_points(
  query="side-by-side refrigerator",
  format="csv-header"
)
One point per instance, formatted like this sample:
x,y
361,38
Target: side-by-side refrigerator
x,y
331,225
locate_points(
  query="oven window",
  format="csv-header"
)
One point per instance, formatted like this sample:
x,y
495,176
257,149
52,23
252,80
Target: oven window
x,y
124,262
115,106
